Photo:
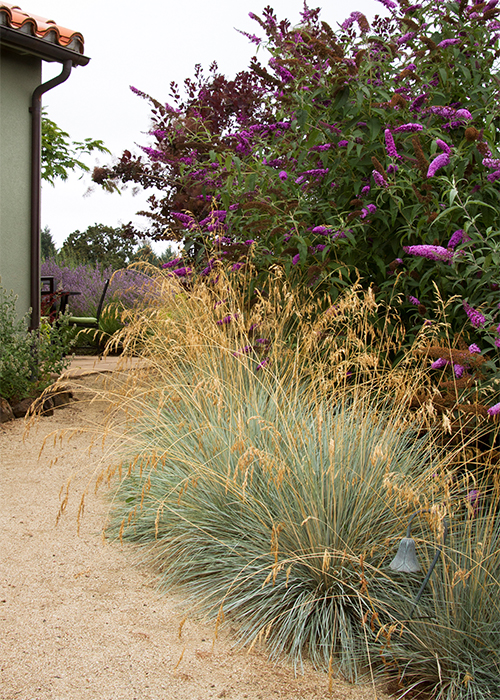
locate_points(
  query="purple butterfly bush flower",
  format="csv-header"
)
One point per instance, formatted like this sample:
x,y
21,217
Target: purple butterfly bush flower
x,y
448,42
343,143
455,239
390,145
431,252
171,263
242,351
458,370
322,147
324,230
370,209
183,271
439,363
392,169
494,176
365,189
418,102
262,364
443,146
473,348
227,319
413,300
408,127
296,259
236,266
475,317
379,179
389,4
491,163
405,38
283,175
494,410
441,161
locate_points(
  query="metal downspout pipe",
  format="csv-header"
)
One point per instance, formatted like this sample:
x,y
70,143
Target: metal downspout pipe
x,y
36,150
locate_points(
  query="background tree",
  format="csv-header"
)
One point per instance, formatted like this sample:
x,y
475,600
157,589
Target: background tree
x,y
100,244
48,248
60,154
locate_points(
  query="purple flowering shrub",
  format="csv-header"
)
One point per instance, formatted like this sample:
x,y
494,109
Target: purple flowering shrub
x,y
368,150
127,287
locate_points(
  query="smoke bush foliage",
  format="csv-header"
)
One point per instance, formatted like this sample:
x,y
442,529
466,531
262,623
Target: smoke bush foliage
x,y
370,149
126,287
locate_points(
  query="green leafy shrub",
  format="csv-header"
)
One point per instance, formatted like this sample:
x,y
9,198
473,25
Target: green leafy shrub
x,y
373,153
27,359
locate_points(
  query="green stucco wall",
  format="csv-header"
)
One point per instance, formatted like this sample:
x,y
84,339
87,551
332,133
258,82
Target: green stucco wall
x,y
19,76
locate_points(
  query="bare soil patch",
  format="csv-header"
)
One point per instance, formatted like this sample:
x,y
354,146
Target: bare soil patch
x,y
79,620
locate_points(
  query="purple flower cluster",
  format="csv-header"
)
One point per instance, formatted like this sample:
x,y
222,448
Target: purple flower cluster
x,y
439,363
379,179
414,300
476,318
441,161
448,42
390,145
456,239
431,252
408,127
443,146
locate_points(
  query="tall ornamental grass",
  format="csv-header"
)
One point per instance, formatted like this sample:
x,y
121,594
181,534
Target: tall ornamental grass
x,y
272,482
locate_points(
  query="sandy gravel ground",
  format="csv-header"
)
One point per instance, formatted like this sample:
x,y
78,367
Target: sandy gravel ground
x,y
79,620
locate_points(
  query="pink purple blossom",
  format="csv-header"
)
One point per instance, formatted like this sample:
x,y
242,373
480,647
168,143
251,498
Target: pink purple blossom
x,y
408,127
343,143
473,348
413,300
494,176
494,410
431,252
379,179
475,317
439,363
405,38
283,175
448,42
456,239
441,161
296,259
443,146
390,145
458,370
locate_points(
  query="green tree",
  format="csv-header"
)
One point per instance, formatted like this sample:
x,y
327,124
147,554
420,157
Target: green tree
x,y
48,248
60,154
100,244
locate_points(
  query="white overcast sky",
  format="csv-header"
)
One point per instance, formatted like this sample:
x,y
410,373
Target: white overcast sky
x,y
146,45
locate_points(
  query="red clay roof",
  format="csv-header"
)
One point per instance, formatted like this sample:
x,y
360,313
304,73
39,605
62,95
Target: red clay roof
x,y
12,16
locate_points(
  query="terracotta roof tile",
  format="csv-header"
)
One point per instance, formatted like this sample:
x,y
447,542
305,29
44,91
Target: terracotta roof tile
x,y
40,27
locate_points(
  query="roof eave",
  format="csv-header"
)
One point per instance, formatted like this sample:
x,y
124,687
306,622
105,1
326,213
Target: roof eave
x,y
45,50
